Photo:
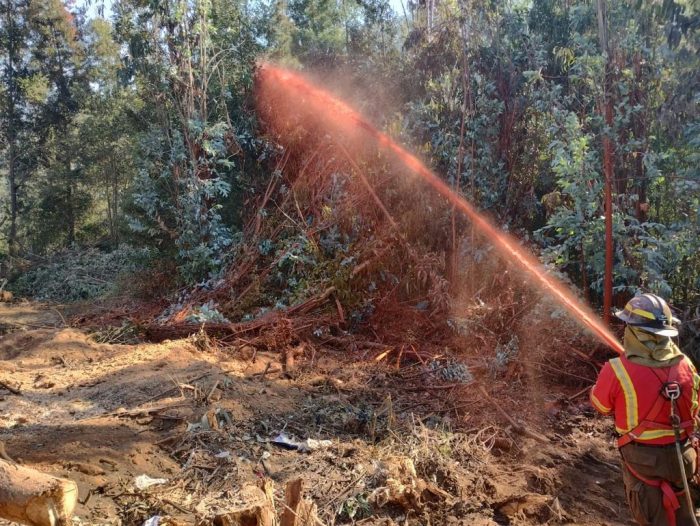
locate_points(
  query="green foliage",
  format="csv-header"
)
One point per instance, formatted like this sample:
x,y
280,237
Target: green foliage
x,y
648,241
301,267
356,508
186,168
318,31
206,313
142,130
74,275
575,228
199,235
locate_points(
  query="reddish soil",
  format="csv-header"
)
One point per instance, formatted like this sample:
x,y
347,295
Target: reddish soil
x,y
104,414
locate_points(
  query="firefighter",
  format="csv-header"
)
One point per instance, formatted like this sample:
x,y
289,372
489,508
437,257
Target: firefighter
x,y
647,389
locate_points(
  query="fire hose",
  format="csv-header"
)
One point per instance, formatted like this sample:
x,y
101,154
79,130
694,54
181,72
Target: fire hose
x,y
676,423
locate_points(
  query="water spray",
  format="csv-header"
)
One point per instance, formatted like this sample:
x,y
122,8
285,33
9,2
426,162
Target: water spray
x,y
331,111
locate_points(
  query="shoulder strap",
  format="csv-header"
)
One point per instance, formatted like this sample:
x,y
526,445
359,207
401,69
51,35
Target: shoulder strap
x,y
655,410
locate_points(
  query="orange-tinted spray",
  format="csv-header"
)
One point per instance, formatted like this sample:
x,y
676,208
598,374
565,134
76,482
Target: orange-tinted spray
x,y
335,115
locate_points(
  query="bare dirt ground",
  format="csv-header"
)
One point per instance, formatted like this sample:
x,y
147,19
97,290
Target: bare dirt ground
x,y
204,420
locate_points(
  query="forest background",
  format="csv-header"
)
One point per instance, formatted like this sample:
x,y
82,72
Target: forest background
x,y
134,160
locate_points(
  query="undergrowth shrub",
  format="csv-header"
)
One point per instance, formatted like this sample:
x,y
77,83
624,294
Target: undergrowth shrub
x,y
81,274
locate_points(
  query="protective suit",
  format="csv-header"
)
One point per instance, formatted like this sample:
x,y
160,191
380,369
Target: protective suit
x,y
631,388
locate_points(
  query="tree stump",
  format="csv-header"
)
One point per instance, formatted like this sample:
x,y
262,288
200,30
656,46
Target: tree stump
x,y
298,511
257,508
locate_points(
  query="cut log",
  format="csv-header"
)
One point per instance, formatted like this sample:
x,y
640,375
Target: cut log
x,y
34,498
158,333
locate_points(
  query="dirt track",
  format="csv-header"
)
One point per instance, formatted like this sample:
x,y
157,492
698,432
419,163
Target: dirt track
x,y
105,414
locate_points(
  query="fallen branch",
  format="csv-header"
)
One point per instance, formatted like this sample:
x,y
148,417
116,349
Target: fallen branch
x,y
158,333
430,387
311,304
591,456
179,386
346,491
518,427
579,393
13,390
211,391
268,370
351,343
144,411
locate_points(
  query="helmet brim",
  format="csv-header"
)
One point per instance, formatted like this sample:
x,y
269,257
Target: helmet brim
x,y
622,315
670,332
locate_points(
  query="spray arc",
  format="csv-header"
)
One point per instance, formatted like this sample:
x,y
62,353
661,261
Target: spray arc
x,y
333,113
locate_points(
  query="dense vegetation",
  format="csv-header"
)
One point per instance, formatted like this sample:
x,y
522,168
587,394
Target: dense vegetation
x,y
139,130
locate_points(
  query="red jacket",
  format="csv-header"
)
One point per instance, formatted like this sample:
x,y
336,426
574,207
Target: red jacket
x,y
631,391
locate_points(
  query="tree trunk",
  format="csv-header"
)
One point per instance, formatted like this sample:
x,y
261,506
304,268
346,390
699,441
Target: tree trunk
x,y
602,9
453,260
642,204
608,170
14,202
606,108
584,276
35,498
640,131
112,195
13,123
70,211
115,214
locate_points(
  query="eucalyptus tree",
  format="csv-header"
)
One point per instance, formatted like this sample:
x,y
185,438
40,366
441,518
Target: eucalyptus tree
x,y
189,61
19,87
58,55
107,132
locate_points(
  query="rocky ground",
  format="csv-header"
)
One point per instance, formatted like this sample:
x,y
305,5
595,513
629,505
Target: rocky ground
x,y
373,443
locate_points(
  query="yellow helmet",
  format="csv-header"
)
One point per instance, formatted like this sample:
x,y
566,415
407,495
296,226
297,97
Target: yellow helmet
x,y
649,313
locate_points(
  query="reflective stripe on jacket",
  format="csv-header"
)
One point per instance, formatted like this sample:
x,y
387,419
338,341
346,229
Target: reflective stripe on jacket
x,y
630,391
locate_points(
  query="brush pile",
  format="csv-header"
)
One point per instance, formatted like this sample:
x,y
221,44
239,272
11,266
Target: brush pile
x,y
336,243
346,250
